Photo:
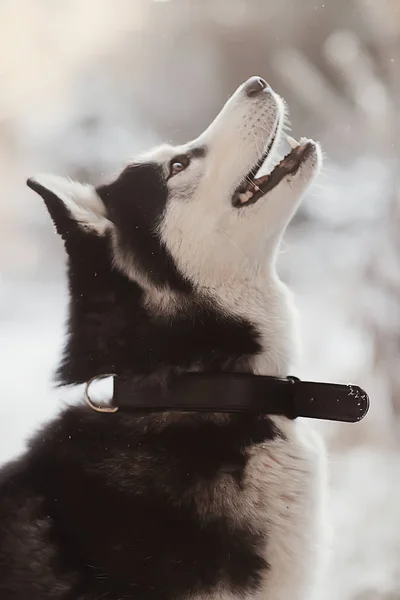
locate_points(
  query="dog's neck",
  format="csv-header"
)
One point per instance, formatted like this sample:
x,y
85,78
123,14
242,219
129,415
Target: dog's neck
x,y
262,300
267,304
116,326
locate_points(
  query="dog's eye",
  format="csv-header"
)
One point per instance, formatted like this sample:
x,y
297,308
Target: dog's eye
x,y
178,164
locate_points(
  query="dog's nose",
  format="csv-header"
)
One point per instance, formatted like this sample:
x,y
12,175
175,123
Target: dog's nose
x,y
255,85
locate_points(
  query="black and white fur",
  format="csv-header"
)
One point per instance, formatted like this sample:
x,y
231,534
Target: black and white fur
x,y
167,276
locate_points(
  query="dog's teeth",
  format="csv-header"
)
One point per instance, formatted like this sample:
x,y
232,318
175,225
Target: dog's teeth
x,y
245,196
303,140
292,142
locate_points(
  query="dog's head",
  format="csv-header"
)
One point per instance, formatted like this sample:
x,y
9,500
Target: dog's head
x,y
181,223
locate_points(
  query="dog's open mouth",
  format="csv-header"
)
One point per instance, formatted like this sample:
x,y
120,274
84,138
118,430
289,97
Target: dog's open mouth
x,y
252,188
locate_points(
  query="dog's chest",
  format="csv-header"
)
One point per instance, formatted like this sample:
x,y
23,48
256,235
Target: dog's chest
x,y
283,499
285,481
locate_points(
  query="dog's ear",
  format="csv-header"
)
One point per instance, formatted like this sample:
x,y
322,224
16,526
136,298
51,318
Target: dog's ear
x,y
71,204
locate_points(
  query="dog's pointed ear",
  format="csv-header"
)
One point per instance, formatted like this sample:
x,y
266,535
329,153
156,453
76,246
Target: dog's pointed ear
x,y
71,204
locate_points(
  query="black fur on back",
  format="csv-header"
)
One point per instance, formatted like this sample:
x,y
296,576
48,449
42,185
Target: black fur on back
x,y
123,506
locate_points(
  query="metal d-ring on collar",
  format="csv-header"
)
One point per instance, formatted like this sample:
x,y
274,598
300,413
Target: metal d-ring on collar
x,y
88,400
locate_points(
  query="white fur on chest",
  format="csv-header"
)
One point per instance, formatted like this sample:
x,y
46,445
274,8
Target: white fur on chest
x,y
286,479
283,498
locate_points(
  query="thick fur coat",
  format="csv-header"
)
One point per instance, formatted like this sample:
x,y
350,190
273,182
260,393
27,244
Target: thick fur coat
x,y
172,269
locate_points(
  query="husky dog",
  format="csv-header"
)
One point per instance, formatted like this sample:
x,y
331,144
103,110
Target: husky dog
x,y
172,269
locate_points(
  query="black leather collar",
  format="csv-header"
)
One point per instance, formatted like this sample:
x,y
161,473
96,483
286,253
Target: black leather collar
x,y
236,393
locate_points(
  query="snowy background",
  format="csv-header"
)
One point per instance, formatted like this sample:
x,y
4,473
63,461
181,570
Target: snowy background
x,y
86,83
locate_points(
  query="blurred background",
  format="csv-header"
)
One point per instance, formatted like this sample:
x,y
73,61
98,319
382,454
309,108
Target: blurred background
x,y
87,83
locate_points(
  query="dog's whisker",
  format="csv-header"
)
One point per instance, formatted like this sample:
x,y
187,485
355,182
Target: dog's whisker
x,y
235,245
